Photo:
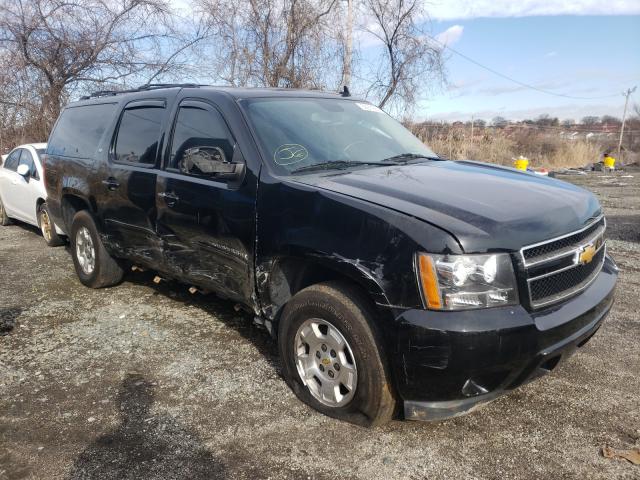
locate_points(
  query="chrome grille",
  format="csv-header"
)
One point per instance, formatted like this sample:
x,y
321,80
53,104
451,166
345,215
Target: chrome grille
x,y
560,267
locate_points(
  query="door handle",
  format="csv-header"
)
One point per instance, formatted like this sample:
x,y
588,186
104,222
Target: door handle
x,y
170,198
111,183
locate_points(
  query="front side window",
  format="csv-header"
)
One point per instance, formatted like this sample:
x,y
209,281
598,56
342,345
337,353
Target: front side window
x,y
27,159
138,135
300,132
201,139
11,163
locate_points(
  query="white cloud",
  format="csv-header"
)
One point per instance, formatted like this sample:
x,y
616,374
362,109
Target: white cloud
x,y
465,9
451,35
550,54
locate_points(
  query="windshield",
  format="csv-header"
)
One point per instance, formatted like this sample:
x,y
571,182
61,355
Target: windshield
x,y
301,132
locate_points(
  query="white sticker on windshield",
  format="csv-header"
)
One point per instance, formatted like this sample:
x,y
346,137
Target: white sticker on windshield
x,y
368,107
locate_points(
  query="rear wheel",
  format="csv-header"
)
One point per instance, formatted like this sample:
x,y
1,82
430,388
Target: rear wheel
x,y
48,228
4,219
333,356
94,266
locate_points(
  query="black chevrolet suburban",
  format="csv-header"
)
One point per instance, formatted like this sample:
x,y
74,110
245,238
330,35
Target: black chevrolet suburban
x,y
395,281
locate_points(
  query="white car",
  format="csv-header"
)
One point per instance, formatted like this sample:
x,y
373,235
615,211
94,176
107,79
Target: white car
x,y
22,193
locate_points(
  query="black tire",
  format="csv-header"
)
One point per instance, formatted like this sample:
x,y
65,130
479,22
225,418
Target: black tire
x,y
4,219
345,308
48,228
107,271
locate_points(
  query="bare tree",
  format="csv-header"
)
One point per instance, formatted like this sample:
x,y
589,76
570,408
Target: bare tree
x,y
410,60
17,100
610,119
273,43
590,120
546,120
499,122
55,50
60,46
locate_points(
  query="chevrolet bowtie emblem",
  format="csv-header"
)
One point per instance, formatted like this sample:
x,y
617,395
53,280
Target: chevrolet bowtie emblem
x,y
586,254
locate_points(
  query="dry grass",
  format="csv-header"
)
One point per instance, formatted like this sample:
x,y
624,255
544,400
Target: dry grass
x,y
501,147
575,153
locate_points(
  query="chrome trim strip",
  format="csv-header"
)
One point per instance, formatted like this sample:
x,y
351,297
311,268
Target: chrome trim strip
x,y
561,236
567,250
571,292
544,275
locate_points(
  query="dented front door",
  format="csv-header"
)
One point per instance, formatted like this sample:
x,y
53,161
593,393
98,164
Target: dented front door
x,y
206,224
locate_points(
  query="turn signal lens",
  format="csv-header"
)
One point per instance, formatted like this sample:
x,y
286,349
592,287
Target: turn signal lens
x,y
429,282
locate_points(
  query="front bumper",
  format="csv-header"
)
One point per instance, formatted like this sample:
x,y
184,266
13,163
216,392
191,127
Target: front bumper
x,y
448,363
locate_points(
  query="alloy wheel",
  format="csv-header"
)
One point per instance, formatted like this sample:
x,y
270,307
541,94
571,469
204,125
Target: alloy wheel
x,y
85,251
325,362
45,225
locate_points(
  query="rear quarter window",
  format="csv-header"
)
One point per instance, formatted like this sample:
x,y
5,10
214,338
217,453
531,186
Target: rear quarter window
x,y
79,130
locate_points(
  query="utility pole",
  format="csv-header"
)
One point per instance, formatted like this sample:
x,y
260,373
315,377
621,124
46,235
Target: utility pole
x,y
626,94
346,80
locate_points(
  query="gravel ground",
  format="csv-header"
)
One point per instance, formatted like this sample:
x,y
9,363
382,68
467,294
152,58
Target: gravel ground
x,y
147,381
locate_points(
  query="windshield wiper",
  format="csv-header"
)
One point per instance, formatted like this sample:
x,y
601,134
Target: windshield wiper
x,y
405,157
337,164
342,164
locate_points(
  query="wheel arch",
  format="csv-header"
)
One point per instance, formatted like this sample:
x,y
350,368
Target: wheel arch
x,y
41,201
279,279
71,204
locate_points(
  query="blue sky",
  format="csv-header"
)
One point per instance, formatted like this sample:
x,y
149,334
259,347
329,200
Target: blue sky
x,y
586,55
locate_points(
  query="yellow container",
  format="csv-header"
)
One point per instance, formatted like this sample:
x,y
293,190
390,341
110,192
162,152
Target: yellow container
x,y
609,162
521,163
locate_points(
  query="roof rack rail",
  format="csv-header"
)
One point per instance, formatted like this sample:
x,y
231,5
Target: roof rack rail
x,y
153,86
141,88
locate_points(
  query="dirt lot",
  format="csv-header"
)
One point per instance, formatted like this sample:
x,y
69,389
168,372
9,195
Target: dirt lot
x,y
147,381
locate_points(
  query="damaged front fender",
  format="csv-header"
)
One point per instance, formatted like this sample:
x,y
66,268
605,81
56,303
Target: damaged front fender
x,y
321,235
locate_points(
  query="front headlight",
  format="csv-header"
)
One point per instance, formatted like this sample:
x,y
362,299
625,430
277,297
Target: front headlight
x,y
459,282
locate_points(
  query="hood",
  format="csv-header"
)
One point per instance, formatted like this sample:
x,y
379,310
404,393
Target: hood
x,y
485,207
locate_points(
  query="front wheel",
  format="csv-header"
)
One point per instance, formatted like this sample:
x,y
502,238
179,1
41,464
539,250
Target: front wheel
x,y
94,266
333,356
48,228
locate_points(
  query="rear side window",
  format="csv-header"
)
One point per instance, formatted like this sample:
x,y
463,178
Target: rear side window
x,y
79,130
138,134
12,160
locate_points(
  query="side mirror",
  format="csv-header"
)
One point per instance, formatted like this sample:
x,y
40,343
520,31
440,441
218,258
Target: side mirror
x,y
211,161
23,170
